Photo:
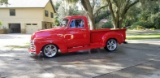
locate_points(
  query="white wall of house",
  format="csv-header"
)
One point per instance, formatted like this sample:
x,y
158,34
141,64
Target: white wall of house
x,y
49,8
23,16
30,19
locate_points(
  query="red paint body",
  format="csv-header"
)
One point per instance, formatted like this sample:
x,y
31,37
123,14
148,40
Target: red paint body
x,y
74,39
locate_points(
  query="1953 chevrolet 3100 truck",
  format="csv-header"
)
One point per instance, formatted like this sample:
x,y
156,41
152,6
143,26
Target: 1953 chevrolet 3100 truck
x,y
74,35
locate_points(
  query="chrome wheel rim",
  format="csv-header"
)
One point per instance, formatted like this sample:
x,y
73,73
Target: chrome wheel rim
x,y
111,44
50,50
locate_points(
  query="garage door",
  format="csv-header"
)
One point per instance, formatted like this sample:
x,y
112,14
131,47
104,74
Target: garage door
x,y
14,28
31,29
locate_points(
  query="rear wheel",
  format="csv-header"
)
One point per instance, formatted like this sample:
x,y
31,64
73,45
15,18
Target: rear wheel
x,y
111,45
50,50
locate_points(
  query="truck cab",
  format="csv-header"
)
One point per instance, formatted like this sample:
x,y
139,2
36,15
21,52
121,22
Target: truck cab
x,y
74,35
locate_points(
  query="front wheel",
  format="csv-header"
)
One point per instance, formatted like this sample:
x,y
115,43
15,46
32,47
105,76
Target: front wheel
x,y
111,45
50,50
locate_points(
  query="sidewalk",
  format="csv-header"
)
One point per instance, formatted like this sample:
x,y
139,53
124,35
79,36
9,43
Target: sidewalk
x,y
144,31
146,41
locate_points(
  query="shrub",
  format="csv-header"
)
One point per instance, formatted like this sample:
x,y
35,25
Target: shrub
x,y
0,24
140,28
107,25
156,20
143,24
136,27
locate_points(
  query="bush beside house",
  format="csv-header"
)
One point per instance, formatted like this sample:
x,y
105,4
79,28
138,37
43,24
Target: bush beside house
x,y
2,30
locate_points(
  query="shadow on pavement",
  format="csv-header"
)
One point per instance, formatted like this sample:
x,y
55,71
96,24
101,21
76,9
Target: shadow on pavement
x,y
129,61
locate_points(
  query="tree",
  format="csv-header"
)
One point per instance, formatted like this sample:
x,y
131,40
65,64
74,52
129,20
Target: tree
x,y
148,12
156,20
119,9
132,15
3,2
89,10
150,5
89,7
61,13
69,4
72,1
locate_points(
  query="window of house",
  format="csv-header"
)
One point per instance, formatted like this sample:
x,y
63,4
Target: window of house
x,y
12,12
77,23
46,13
28,23
51,14
34,23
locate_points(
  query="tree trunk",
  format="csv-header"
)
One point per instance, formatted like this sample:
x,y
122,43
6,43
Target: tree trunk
x,y
89,9
119,14
92,22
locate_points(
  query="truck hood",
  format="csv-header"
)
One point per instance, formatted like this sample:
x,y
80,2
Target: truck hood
x,y
52,29
47,32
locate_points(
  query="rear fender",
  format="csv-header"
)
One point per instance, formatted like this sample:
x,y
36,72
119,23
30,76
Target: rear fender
x,y
114,35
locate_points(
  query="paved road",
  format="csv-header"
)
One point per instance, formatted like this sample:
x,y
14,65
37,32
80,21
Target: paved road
x,y
133,60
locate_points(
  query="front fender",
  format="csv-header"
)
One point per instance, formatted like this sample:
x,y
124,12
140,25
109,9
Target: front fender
x,y
58,41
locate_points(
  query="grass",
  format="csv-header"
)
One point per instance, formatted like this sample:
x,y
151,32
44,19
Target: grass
x,y
18,46
143,36
147,34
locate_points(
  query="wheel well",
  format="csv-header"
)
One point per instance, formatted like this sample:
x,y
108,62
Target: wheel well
x,y
112,38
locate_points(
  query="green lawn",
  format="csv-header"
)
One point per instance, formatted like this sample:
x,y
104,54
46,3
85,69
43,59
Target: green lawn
x,y
143,36
26,45
17,46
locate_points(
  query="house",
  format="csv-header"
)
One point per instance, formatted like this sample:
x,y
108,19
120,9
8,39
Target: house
x,y
27,16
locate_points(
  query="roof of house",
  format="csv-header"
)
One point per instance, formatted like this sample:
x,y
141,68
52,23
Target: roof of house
x,y
26,4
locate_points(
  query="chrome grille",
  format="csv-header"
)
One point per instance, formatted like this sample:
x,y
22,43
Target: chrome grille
x,y
32,46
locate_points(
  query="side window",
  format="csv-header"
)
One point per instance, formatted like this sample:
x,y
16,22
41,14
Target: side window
x,y
77,23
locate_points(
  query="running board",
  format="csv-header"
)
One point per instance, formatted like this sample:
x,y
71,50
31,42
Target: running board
x,y
80,48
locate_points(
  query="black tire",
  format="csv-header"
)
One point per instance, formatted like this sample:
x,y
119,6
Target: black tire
x,y
111,45
50,51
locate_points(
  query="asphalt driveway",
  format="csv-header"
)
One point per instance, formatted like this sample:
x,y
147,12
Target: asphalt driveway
x,y
137,59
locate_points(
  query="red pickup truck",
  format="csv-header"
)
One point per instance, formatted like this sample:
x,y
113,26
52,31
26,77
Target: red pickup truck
x,y
74,35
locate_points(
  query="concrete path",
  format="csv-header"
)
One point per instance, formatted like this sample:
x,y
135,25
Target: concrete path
x,y
137,59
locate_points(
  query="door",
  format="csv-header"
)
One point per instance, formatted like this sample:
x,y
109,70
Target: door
x,y
31,28
77,35
14,28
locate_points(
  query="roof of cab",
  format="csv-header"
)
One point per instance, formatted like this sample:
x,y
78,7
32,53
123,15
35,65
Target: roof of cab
x,y
75,16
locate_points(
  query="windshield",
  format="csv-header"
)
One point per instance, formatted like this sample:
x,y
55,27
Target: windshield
x,y
64,22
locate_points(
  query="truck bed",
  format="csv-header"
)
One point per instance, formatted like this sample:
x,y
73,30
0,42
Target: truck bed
x,y
97,35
